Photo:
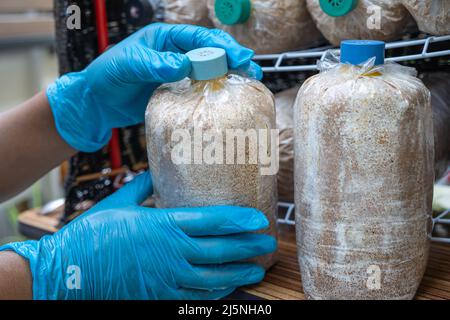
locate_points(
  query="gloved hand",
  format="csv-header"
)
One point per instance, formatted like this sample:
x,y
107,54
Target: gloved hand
x,y
120,250
113,91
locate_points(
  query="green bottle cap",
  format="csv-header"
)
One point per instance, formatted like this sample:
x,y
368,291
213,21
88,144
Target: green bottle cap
x,y
338,8
231,12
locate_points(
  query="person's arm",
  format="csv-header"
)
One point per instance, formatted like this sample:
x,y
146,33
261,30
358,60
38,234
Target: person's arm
x,y
15,277
30,146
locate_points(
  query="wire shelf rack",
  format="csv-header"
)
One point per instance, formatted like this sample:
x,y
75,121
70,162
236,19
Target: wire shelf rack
x,y
279,60
287,213
287,216
443,219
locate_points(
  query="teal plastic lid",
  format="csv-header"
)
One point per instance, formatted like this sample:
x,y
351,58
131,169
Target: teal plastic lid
x,y
231,12
208,63
338,8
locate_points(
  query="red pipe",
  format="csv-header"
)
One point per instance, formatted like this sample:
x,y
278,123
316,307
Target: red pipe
x,y
103,43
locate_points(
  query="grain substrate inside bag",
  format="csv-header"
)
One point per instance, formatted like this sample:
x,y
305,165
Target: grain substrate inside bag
x,y
432,16
363,184
187,12
230,102
284,102
273,26
370,19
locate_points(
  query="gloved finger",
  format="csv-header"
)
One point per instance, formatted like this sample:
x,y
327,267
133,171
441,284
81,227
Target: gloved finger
x,y
183,38
220,277
193,294
133,193
251,70
222,249
142,64
218,220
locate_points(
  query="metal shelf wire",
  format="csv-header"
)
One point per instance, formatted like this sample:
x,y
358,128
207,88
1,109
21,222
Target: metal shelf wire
x,y
287,216
444,219
278,60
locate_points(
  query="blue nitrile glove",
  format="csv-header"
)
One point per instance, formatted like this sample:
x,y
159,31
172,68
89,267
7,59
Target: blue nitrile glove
x,y
113,91
120,250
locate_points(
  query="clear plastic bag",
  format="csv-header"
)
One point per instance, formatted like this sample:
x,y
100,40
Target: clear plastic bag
x,y
432,16
274,26
187,12
370,19
284,102
438,83
363,181
231,102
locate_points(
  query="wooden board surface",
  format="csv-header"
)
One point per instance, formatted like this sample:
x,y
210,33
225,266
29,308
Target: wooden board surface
x,y
25,5
33,219
282,281
20,26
